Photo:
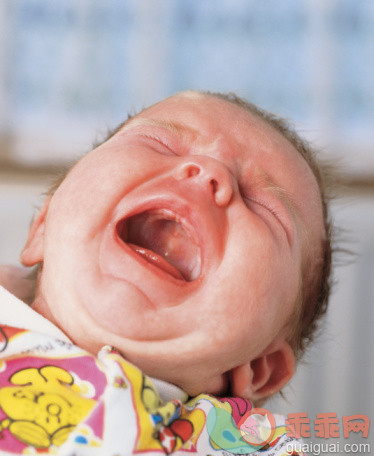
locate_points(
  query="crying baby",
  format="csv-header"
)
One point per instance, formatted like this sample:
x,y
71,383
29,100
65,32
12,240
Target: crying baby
x,y
193,245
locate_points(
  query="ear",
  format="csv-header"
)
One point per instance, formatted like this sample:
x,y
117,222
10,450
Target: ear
x,y
32,253
265,375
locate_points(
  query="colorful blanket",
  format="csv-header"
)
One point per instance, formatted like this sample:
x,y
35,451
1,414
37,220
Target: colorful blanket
x,y
57,399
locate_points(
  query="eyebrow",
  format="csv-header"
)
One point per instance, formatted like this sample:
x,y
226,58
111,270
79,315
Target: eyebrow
x,y
284,196
174,127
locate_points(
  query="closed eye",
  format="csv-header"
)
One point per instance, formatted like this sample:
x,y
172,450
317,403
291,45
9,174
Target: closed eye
x,y
272,209
159,145
266,206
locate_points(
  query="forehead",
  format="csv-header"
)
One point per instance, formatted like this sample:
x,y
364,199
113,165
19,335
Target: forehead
x,y
234,131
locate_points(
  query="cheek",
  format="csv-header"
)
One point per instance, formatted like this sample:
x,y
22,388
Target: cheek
x,y
87,197
258,280
253,261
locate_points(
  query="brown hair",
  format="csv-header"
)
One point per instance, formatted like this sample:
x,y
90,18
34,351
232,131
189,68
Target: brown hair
x,y
316,283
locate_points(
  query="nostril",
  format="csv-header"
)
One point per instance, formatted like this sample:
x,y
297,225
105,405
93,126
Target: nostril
x,y
214,185
193,171
208,174
187,170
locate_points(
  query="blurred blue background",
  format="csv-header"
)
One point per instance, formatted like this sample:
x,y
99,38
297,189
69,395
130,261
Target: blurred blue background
x,y
71,69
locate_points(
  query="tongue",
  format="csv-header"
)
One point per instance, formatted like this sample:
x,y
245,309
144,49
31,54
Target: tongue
x,y
165,243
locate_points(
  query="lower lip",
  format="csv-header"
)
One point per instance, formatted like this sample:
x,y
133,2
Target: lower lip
x,y
156,260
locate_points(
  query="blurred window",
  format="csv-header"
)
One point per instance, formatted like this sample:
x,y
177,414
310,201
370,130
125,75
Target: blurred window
x,y
71,68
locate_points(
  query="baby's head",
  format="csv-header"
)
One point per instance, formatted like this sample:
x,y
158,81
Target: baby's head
x,y
195,240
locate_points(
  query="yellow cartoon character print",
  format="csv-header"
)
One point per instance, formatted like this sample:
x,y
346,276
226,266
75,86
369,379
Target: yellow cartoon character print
x,y
43,406
161,414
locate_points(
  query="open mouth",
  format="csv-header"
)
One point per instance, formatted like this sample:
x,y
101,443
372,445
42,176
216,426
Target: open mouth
x,y
161,238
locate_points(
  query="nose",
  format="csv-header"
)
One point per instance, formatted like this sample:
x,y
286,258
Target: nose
x,y
210,174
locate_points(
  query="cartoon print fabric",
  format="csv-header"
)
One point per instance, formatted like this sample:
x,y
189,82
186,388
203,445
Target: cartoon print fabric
x,y
58,399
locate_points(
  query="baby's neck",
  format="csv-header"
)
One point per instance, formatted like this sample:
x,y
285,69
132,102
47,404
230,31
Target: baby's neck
x,y
40,306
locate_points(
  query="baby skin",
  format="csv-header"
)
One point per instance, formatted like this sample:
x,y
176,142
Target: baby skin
x,y
181,241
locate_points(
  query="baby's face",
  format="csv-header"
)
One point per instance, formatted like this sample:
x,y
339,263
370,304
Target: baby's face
x,y
181,241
